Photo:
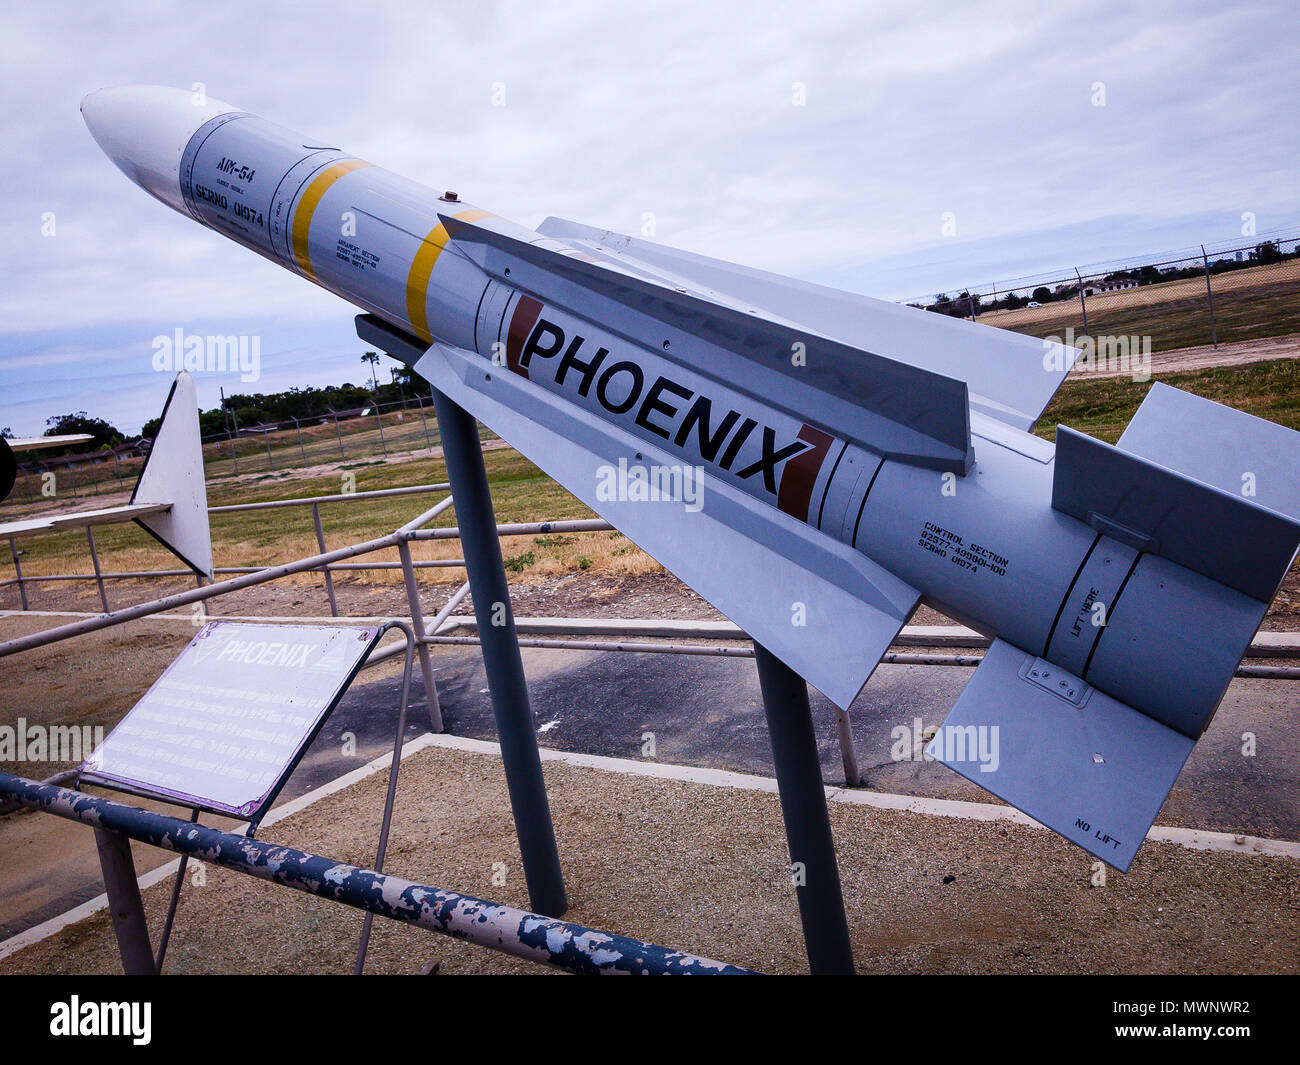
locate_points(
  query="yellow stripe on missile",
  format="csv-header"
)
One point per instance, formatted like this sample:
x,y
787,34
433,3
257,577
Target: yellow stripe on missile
x,y
417,281
307,205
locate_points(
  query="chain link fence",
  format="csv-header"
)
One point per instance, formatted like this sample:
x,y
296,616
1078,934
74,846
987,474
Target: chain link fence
x,y
1212,295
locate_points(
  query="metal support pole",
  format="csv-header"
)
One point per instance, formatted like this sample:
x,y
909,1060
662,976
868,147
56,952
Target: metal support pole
x,y
1209,294
417,626
516,729
391,795
166,936
269,464
320,542
807,823
848,750
18,572
124,903
379,420
99,576
302,450
339,433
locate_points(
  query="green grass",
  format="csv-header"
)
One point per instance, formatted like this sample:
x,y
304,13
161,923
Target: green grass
x,y
1103,407
521,492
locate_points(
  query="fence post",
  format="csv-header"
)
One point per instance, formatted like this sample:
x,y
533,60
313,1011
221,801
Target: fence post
x,y
380,422
234,454
848,749
320,542
269,464
302,450
1082,301
421,637
339,433
18,572
1209,294
99,577
425,422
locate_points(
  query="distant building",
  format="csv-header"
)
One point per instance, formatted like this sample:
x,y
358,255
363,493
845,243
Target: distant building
x,y
1093,288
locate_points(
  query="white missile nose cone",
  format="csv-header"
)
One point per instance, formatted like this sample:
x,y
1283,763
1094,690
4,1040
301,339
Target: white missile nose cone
x,y
144,129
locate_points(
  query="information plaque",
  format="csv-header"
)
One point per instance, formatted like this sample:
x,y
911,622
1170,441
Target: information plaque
x,y
224,726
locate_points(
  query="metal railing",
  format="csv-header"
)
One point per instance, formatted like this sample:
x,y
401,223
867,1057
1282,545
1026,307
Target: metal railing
x,y
511,931
22,580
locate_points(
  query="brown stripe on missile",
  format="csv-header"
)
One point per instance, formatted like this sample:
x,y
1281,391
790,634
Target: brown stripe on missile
x,y
800,473
527,311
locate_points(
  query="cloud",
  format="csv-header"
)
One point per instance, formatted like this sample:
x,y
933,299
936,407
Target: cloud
x,y
680,113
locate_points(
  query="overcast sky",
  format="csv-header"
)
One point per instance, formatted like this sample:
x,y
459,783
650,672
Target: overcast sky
x,y
825,141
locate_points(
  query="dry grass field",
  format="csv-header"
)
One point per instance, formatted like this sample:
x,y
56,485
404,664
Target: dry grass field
x,y
1249,304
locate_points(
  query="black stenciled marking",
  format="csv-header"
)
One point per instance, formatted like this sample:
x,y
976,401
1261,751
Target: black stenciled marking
x,y
601,377
1066,597
863,505
830,481
479,310
287,221
770,457
1110,610
187,169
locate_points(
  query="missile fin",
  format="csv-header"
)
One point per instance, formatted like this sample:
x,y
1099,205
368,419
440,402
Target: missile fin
x,y
1085,765
827,611
173,474
1255,460
1216,533
904,412
1012,377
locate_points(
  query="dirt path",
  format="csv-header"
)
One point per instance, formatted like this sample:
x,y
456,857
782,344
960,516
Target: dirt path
x,y
1206,357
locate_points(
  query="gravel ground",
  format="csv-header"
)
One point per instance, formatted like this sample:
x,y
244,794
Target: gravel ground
x,y
702,868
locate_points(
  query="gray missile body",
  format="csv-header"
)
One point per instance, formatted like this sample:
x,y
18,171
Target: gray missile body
x,y
813,463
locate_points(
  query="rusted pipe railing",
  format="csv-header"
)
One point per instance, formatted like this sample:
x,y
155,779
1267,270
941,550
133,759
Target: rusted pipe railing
x,y
525,528
194,595
432,563
503,928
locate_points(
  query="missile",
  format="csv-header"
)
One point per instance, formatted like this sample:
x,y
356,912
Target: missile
x,y
813,463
